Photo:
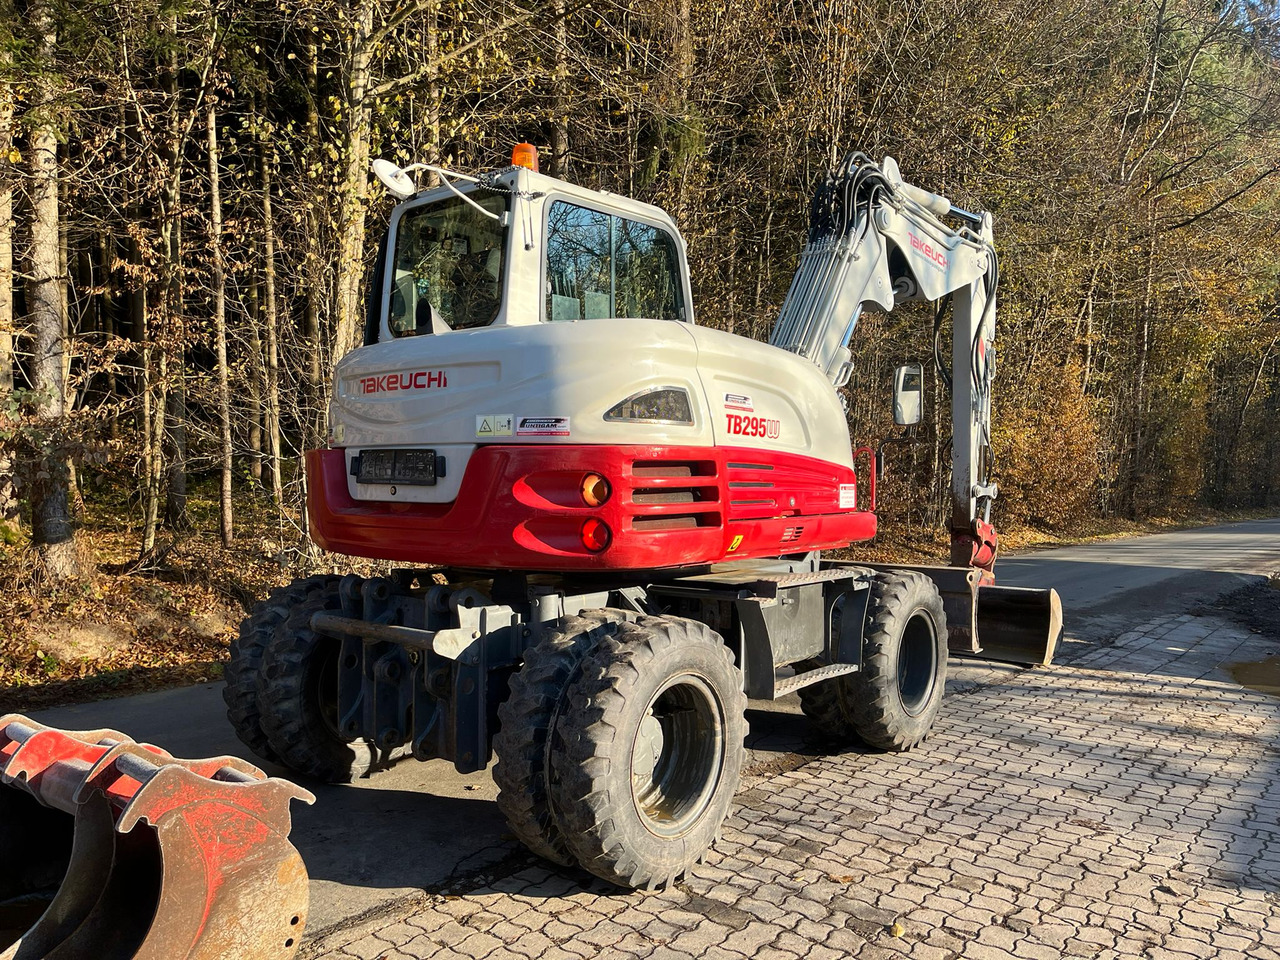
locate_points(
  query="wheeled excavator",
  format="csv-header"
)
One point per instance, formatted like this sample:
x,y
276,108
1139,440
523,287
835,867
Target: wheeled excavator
x,y
608,524
608,521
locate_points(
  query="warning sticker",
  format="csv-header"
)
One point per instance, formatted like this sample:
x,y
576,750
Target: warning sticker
x,y
738,401
494,425
543,427
848,496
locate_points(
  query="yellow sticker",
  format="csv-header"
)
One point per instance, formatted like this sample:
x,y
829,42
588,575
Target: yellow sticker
x,y
737,542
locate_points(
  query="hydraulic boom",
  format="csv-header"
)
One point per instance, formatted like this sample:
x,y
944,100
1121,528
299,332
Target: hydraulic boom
x,y
876,241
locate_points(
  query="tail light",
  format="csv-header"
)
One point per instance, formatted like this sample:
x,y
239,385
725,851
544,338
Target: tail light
x,y
595,534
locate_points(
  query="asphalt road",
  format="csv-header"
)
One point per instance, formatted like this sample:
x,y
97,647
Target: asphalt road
x,y
421,824
1107,586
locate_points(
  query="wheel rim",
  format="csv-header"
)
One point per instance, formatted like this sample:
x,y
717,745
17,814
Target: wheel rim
x,y
917,663
677,755
325,689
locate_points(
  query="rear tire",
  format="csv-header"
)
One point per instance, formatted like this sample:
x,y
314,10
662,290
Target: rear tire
x,y
893,701
649,751
299,686
824,703
527,718
240,675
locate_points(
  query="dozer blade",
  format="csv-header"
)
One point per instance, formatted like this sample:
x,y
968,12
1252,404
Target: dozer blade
x,y
158,858
1018,624
989,622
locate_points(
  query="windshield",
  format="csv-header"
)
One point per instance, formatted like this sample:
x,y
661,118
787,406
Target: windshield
x,y
448,266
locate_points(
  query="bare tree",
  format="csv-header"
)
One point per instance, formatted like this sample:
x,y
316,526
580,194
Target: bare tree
x,y
218,272
51,527
8,495
271,322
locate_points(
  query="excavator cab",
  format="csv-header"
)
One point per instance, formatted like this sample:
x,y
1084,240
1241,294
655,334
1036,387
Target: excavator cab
x,y
515,248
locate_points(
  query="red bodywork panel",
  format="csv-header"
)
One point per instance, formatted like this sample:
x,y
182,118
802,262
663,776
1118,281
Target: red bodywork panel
x,y
520,508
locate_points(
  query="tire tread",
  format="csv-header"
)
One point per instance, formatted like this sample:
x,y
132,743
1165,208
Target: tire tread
x,y
526,719
241,672
590,748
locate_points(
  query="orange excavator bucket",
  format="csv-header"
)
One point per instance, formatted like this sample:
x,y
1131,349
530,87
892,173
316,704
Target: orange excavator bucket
x,y
112,849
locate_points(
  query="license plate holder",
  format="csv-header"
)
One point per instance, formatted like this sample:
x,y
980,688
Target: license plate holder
x,y
411,467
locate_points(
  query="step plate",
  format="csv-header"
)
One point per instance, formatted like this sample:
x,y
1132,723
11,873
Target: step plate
x,y
792,684
748,582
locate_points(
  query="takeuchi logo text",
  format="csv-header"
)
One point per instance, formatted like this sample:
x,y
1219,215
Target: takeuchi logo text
x,y
936,256
418,380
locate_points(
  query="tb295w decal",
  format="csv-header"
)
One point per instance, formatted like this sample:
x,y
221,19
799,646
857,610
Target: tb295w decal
x,y
753,426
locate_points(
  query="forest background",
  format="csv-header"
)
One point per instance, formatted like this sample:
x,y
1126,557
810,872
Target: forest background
x,y
187,219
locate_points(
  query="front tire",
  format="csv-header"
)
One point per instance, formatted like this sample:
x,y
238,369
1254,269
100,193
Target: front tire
x,y
650,751
893,701
299,688
241,674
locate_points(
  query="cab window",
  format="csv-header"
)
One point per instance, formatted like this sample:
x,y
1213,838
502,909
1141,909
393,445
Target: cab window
x,y
600,266
448,266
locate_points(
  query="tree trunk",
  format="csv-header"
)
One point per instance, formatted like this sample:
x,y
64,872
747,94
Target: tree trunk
x,y
271,324
257,376
155,369
175,409
219,280
8,496
353,189
315,418
175,503
560,98
1137,473
111,325
434,91
51,529
140,319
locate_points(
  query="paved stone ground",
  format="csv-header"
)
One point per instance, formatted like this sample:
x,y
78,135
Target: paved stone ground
x,y
1124,805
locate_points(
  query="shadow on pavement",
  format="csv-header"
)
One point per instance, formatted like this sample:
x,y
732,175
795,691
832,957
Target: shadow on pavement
x,y
370,836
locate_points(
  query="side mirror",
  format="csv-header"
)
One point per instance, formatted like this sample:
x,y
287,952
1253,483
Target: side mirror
x,y
908,394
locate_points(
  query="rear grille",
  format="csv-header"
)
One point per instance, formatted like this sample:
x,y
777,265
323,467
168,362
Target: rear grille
x,y
753,491
686,522
648,495
674,495
673,468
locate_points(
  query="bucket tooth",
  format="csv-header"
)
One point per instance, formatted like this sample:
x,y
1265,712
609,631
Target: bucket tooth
x,y
160,858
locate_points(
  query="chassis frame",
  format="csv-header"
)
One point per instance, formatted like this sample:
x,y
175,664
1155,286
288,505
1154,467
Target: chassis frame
x,y
423,664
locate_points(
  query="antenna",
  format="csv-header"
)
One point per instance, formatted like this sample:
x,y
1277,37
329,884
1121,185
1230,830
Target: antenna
x,y
394,179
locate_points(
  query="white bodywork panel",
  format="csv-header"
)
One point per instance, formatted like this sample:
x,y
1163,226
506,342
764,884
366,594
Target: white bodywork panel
x,y
778,385
456,381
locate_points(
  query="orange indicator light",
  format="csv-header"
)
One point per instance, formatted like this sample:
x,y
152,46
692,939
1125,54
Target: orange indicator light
x,y
595,490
